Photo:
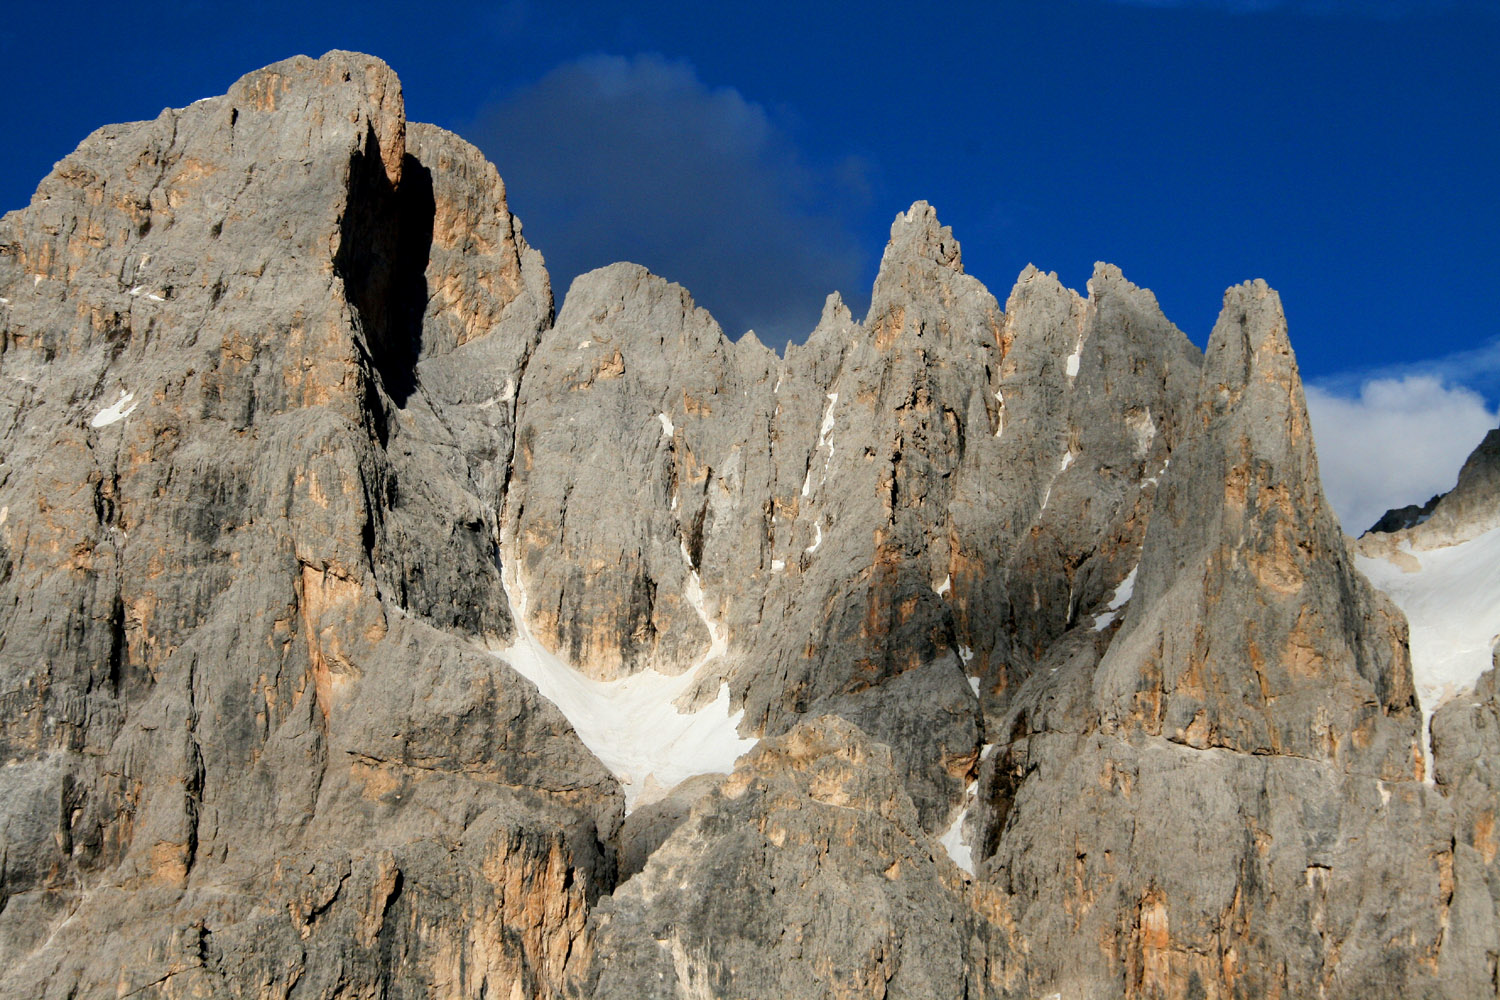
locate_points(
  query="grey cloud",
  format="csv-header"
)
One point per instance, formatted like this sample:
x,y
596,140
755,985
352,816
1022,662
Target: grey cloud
x,y
1393,442
609,158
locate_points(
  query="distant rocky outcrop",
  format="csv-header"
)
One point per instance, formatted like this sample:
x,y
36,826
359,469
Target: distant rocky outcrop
x,y
349,598
1471,507
1409,516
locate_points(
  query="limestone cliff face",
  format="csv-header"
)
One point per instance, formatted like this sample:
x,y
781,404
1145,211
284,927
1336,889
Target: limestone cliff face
x,y
253,441
1202,803
1304,659
1441,570
1064,680
825,885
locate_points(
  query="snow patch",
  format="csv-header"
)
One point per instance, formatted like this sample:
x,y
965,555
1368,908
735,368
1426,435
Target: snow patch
x,y
777,565
952,841
1072,363
1062,466
943,588
632,724
667,427
507,394
1123,593
965,654
1156,475
116,411
974,684
827,426
823,442
1452,603
817,540
4,301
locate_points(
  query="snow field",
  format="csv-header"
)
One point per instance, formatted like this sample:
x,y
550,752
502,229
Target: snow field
x,y
952,839
1452,604
632,724
1123,594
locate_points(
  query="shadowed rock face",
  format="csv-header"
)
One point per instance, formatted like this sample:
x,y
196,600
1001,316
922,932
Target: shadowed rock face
x,y
825,885
290,430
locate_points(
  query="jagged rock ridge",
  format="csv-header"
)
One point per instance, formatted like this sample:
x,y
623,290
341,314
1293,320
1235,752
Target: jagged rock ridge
x,y
294,438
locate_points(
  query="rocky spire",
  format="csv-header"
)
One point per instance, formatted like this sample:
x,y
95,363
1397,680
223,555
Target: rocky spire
x,y
1249,627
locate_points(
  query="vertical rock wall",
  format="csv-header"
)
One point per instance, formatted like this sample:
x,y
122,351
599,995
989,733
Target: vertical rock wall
x,y
1064,678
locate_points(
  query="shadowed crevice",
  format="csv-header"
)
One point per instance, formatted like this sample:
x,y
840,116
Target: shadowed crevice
x,y
385,240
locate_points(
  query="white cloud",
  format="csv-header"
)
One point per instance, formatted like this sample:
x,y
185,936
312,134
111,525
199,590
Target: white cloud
x,y
1398,441
1475,367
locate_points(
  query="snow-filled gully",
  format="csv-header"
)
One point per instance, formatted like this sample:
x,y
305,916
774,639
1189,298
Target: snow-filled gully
x,y
1455,620
632,724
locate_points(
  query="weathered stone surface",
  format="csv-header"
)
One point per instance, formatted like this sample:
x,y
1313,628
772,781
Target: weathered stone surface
x,y
239,709
630,408
1470,509
1398,518
1466,750
289,434
1221,799
1304,659
824,885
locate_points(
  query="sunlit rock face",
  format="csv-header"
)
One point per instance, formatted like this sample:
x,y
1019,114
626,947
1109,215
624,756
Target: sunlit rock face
x,y
254,356
369,629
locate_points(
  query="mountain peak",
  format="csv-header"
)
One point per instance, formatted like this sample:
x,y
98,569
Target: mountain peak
x,y
918,238
835,311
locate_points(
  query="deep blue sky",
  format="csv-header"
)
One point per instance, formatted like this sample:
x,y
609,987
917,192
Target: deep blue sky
x,y
1345,151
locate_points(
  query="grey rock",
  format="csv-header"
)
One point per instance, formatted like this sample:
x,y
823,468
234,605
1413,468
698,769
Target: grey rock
x,y
824,883
1220,798
1471,508
1306,659
630,409
648,827
244,712
1398,518
288,429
